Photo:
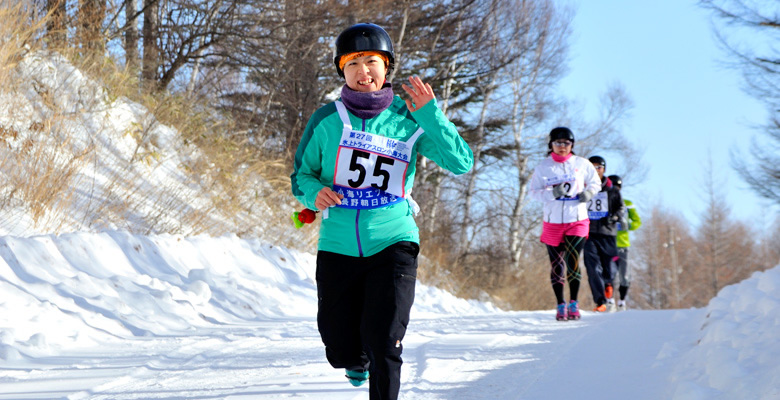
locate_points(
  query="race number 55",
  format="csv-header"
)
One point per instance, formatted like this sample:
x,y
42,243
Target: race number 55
x,y
380,173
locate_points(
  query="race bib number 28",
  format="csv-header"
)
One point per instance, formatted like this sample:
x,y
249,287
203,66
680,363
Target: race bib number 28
x,y
598,206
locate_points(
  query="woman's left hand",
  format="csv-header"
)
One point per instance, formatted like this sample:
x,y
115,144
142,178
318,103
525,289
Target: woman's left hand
x,y
420,92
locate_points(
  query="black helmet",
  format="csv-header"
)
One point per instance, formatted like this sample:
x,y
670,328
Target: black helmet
x,y
558,133
616,180
363,37
598,160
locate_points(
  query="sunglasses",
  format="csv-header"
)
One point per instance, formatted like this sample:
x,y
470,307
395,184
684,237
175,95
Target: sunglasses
x,y
598,166
562,143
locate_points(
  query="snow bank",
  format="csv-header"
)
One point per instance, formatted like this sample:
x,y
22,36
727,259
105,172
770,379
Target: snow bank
x,y
737,353
77,289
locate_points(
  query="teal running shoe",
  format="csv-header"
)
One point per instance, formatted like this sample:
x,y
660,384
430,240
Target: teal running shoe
x,y
357,377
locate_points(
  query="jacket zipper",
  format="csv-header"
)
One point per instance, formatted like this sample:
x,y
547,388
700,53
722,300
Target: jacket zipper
x,y
357,216
357,232
562,204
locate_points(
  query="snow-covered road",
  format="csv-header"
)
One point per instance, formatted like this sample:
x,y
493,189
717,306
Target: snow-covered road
x,y
119,316
519,355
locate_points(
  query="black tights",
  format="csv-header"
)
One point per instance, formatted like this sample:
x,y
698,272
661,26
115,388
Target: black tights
x,y
566,257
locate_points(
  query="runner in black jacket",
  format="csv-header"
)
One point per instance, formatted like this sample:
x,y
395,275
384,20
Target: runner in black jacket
x,y
605,210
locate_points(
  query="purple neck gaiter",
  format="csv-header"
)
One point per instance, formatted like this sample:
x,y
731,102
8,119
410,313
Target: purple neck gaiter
x,y
367,105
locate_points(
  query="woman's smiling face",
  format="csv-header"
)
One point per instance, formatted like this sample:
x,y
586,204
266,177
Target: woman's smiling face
x,y
365,74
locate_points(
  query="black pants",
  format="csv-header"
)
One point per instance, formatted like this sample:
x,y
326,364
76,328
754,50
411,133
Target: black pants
x,y
599,252
565,266
363,312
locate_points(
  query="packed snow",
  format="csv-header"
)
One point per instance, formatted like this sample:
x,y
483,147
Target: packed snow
x,y
119,316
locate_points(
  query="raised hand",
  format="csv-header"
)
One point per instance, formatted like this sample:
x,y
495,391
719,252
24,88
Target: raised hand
x,y
420,92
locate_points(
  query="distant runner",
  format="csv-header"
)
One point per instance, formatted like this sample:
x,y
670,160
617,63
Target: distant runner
x,y
623,243
564,182
605,210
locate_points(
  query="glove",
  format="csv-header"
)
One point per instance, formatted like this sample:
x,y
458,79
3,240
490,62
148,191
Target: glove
x,y
585,196
622,223
559,190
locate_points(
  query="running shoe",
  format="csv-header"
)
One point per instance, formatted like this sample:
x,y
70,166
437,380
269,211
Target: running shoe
x,y
574,310
561,314
601,308
357,377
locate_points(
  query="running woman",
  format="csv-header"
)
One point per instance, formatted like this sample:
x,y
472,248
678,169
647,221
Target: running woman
x,y
564,182
356,164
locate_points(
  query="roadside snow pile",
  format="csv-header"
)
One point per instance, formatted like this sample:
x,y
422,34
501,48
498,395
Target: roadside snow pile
x,y
76,290
737,353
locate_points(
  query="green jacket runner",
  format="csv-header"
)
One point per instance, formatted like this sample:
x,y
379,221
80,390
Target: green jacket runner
x,y
633,222
362,232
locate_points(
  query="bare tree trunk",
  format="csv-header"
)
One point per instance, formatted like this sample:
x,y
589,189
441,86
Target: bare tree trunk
x,y
525,83
399,44
151,56
201,41
427,170
518,236
131,35
195,71
713,229
464,242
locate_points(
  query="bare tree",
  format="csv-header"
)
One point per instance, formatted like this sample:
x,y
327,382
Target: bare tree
x,y
759,60
677,269
714,230
665,263
493,52
769,246
131,34
727,247
543,39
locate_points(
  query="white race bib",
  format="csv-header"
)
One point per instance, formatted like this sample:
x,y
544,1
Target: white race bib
x,y
598,206
370,169
569,182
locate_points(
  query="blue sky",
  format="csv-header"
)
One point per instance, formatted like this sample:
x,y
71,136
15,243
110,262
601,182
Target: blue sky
x,y
686,102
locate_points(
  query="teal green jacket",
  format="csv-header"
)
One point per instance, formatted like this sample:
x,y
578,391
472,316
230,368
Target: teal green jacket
x,y
365,232
633,222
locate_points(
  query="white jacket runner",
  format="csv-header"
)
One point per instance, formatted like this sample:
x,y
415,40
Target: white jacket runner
x,y
577,174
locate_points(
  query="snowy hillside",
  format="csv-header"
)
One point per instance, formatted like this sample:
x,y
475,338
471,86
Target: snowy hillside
x,y
106,161
118,316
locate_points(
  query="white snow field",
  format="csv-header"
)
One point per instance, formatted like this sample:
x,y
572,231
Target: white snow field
x,y
118,316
